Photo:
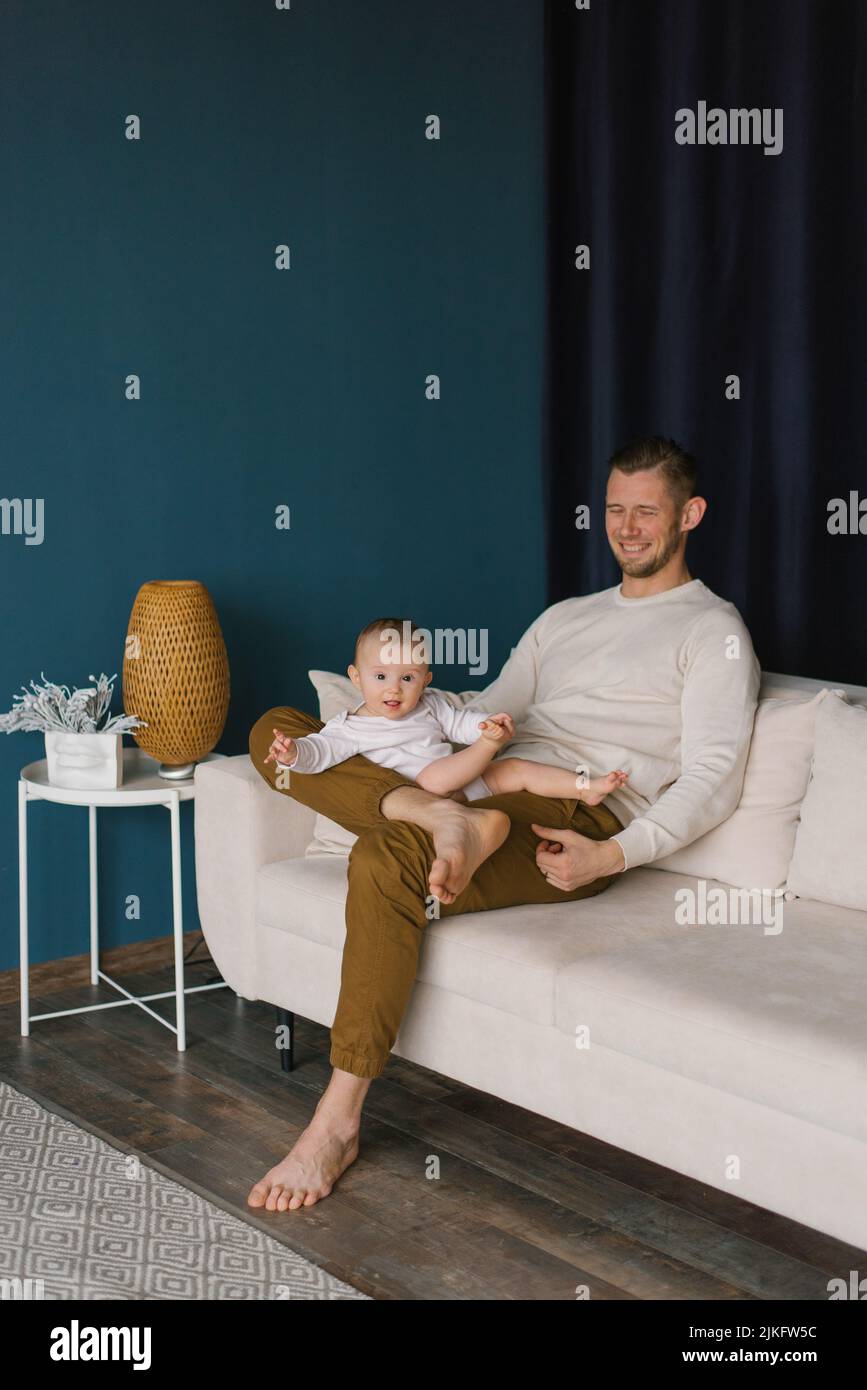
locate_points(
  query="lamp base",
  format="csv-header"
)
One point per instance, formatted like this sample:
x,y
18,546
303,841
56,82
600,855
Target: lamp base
x,y
176,772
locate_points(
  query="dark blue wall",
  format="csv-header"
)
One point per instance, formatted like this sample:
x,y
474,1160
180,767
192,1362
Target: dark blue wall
x,y
259,387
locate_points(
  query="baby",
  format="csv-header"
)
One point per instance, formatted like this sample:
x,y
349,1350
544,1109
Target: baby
x,y
402,725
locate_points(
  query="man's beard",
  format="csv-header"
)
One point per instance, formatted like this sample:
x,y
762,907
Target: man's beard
x,y
641,568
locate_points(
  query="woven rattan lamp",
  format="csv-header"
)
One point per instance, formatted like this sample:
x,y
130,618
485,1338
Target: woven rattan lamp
x,y
176,673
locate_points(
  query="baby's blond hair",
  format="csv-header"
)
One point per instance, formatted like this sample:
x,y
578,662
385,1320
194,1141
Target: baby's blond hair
x,y
381,625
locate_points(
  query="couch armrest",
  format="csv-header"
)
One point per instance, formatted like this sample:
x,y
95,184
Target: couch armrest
x,y
240,824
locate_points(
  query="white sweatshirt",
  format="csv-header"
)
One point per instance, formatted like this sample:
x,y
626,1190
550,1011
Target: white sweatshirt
x,y
664,687
406,744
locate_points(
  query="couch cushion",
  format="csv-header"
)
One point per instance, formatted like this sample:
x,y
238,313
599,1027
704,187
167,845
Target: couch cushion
x,y
778,686
778,1019
508,958
753,847
775,1018
830,858
335,693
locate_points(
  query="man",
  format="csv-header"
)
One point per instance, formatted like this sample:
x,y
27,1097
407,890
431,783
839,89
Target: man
x,y
657,676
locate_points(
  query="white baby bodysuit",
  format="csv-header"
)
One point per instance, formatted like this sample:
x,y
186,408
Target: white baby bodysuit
x,y
407,744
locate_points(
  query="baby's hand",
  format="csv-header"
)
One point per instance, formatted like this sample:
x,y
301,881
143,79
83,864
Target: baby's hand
x,y
498,728
282,750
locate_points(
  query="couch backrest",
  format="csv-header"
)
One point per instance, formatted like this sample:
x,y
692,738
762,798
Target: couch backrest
x,y
774,684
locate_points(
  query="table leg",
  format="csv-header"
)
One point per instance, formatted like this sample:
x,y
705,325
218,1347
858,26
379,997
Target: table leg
x,y
22,909
94,899
178,918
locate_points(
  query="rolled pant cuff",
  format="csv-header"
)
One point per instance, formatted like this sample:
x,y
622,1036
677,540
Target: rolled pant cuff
x,y
359,1066
372,803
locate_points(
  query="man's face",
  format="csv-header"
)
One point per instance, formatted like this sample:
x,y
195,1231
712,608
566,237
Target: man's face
x,y
642,522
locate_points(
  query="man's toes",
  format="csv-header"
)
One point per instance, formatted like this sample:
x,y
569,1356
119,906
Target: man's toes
x,y
273,1197
438,880
314,1197
258,1194
296,1201
439,872
439,891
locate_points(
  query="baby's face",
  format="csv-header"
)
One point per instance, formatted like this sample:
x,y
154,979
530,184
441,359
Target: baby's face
x,y
390,689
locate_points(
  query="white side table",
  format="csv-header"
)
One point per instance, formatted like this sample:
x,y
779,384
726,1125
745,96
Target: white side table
x,y
142,786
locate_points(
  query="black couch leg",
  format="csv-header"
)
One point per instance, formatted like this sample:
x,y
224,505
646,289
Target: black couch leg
x,y
287,1054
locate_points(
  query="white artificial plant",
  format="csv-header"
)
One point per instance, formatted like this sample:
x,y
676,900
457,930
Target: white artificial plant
x,y
51,707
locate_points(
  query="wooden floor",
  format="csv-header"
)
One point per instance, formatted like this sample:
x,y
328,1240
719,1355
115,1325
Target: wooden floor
x,y
524,1208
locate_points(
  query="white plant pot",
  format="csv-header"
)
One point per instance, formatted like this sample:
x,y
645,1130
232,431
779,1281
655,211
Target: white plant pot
x,y
84,761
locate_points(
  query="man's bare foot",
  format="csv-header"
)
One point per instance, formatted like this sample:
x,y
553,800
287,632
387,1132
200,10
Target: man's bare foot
x,y
598,788
311,1168
463,839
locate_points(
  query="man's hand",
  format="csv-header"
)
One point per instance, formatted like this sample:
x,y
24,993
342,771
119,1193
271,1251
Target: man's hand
x,y
282,750
498,728
569,860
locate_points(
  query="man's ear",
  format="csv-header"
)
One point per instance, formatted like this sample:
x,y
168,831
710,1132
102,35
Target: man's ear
x,y
693,513
354,675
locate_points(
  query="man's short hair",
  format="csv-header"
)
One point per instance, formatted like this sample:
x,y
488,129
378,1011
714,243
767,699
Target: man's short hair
x,y
678,468
379,625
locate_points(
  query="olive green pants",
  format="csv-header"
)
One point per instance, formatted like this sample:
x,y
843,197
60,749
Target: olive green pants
x,y
388,899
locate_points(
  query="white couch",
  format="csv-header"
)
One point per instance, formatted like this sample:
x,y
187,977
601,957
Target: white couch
x,y
739,1060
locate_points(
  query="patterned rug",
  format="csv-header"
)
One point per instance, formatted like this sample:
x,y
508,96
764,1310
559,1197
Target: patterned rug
x,y
81,1220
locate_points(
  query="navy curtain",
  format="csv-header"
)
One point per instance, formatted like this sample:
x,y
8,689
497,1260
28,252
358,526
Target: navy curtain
x,y
708,261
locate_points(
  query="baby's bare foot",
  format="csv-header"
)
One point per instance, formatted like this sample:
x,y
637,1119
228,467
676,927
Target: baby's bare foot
x,y
463,839
599,787
311,1167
